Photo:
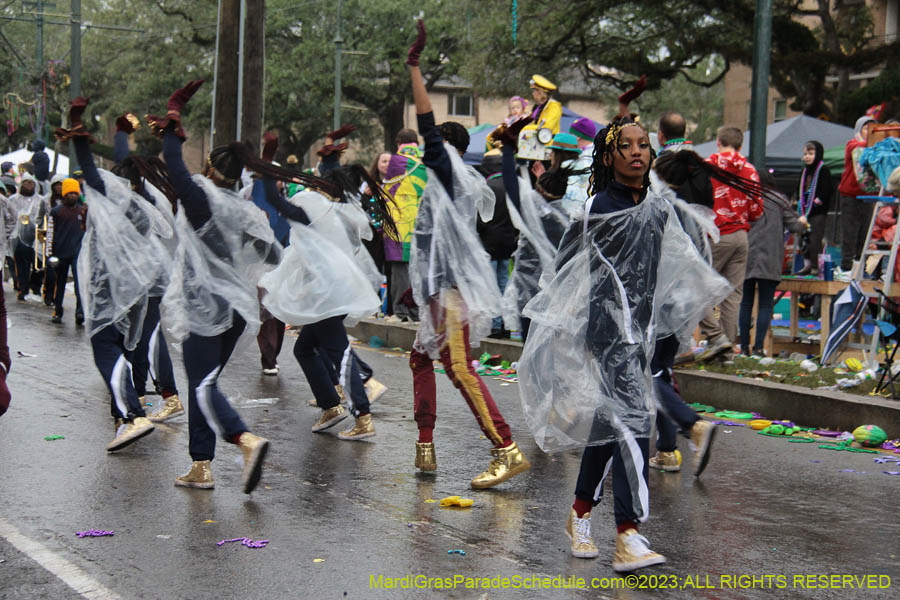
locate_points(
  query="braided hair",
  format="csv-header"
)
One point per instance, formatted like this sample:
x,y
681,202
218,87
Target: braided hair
x,y
346,182
605,145
138,169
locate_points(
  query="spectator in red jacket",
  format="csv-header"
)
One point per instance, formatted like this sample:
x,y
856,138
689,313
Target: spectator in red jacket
x,y
734,213
855,213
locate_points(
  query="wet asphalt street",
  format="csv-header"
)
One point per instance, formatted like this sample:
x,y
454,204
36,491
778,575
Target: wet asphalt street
x,y
340,514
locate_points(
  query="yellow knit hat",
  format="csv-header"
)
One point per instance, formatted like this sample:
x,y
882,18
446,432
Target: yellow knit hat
x,y
70,185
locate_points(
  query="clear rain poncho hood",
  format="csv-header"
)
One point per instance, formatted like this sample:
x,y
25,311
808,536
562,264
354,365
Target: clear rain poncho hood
x,y
626,279
325,271
122,258
217,267
541,225
447,254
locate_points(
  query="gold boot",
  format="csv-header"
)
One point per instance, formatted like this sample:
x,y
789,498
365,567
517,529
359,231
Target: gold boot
x,y
374,389
128,433
200,476
507,462
425,457
633,552
666,461
702,434
361,430
254,449
330,418
579,531
143,401
170,408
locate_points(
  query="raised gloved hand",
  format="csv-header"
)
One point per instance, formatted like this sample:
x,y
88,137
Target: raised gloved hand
x,y
343,131
270,146
635,92
176,103
76,110
510,134
329,149
127,123
415,51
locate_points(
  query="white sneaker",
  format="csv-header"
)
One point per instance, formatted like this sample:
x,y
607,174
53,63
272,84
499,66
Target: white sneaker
x,y
272,372
392,319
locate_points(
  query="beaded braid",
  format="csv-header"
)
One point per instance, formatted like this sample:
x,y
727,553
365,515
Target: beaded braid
x,y
605,144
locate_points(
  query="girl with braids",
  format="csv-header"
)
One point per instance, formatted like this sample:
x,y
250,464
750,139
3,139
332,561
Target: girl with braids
x,y
326,280
121,262
224,246
627,273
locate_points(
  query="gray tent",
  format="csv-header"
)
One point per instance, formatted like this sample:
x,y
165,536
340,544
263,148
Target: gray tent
x,y
785,139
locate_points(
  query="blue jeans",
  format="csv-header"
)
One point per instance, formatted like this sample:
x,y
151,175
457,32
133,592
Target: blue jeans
x,y
501,271
763,313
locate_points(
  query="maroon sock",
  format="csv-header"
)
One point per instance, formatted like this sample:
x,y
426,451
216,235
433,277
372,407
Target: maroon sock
x,y
167,394
236,439
582,507
623,527
426,435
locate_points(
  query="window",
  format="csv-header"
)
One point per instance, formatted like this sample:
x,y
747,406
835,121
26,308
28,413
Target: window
x,y
460,105
780,110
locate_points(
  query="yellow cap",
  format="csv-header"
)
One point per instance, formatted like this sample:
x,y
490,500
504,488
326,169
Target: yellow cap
x,y
70,185
539,81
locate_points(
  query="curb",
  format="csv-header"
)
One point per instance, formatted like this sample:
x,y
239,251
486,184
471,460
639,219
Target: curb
x,y
402,335
808,408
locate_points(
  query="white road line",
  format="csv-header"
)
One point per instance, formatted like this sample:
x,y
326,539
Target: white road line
x,y
68,573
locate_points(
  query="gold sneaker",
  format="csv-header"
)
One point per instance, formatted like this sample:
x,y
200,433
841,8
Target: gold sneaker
x,y
128,433
426,460
579,531
169,408
254,449
143,401
702,434
362,430
200,476
507,462
633,552
666,461
330,418
375,389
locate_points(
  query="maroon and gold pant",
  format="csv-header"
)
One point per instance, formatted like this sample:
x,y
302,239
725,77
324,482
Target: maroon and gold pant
x,y
455,358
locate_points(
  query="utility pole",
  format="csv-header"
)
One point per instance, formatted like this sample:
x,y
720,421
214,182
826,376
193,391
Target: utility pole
x,y
38,7
759,101
75,69
254,62
338,43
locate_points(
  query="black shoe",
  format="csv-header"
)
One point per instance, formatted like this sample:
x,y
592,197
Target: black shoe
x,y
56,318
21,297
79,319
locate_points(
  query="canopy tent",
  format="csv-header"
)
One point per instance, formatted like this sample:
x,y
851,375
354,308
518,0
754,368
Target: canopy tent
x,y
784,143
478,135
22,155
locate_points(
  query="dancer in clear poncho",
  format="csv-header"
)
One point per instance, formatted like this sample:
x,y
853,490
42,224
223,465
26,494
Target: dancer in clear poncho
x,y
121,259
148,177
224,246
627,273
454,287
326,279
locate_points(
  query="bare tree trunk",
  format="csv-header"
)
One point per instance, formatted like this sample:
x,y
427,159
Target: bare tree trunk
x,y
226,74
254,72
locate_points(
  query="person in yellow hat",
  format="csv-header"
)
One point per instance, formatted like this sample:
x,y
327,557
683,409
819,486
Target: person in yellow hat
x,y
547,112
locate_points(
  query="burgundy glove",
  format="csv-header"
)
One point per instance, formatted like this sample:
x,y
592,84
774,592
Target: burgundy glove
x,y
634,92
510,135
127,123
329,149
344,131
180,97
76,110
176,102
270,145
412,57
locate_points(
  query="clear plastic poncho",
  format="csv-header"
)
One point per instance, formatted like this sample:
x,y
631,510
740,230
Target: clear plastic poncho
x,y
324,271
217,268
447,255
541,225
121,258
628,278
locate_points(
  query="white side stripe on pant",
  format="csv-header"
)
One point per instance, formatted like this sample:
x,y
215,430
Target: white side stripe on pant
x,y
204,401
153,353
117,383
633,460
